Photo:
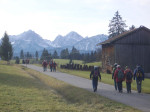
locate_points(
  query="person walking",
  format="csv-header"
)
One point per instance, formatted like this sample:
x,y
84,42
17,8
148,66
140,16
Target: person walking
x,y
54,66
51,65
139,76
94,76
114,68
44,64
128,76
119,76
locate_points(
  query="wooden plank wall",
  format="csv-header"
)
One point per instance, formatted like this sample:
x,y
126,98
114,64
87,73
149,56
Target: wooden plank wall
x,y
134,49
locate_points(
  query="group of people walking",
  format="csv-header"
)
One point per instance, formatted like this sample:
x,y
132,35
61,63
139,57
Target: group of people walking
x,y
52,65
119,75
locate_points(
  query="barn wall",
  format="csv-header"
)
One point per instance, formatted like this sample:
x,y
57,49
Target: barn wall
x,y
134,49
140,37
107,57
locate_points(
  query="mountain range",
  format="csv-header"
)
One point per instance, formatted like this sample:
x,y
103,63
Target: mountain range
x,y
30,41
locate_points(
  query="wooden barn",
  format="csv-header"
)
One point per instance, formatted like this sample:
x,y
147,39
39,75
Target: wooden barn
x,y
127,49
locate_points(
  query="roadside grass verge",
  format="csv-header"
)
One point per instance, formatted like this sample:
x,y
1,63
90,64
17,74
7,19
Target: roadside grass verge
x,y
27,90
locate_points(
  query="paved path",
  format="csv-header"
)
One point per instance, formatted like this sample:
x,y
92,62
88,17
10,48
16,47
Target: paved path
x,y
136,100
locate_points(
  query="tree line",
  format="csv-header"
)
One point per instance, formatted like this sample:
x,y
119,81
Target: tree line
x,y
74,54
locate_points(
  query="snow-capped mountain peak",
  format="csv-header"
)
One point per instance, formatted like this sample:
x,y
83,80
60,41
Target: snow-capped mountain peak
x,y
68,40
73,35
30,41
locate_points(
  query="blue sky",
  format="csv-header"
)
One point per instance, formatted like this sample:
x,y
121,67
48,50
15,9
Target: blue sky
x,y
50,18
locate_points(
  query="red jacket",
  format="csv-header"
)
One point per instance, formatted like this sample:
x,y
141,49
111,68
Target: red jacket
x,y
116,75
44,64
125,73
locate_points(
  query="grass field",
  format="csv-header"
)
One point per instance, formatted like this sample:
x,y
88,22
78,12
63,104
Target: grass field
x,y
25,90
106,78
65,61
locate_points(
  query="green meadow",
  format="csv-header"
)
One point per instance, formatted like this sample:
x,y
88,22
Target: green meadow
x,y
106,78
26,90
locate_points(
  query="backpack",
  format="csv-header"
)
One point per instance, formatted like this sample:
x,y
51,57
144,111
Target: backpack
x,y
129,76
139,74
54,64
44,63
51,62
120,75
95,73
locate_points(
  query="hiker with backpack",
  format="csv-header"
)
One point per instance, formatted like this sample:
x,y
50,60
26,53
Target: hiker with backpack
x,y
128,76
114,68
44,64
94,76
139,76
119,76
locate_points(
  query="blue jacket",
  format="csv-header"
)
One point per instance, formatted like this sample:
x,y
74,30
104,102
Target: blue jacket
x,y
142,71
92,74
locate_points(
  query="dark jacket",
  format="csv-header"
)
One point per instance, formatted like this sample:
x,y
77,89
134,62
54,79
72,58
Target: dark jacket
x,y
125,73
142,71
114,68
92,74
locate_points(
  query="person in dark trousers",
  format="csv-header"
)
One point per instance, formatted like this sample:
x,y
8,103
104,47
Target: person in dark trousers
x,y
44,64
114,68
139,76
51,65
128,76
119,76
54,66
94,76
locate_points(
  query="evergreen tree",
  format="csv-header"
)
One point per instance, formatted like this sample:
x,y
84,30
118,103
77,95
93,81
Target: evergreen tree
x,y
95,56
74,54
86,58
99,54
17,60
116,25
64,54
45,55
0,51
28,55
92,58
6,48
132,27
55,55
21,54
36,55
67,53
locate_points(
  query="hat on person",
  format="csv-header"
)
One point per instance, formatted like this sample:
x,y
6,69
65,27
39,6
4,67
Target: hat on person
x,y
126,67
118,66
115,64
95,67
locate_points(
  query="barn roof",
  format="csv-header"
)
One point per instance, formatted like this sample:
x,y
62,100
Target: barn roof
x,y
113,39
